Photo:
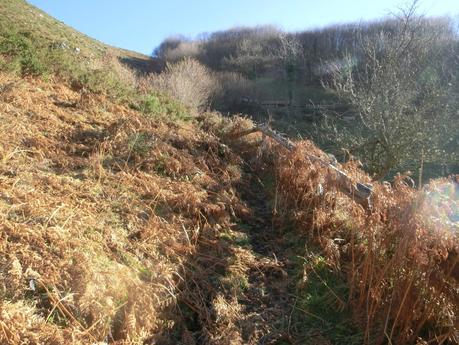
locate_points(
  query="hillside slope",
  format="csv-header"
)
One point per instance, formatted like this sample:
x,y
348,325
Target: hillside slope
x,y
127,218
101,210
130,229
19,16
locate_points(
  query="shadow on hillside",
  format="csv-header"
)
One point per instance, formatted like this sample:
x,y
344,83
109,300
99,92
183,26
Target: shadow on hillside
x,y
141,65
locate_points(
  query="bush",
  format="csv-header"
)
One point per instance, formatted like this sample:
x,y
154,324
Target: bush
x,y
157,105
21,54
14,44
151,105
140,143
31,65
187,81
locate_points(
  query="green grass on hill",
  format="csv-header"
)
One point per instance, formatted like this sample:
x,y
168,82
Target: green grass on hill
x,y
18,15
35,44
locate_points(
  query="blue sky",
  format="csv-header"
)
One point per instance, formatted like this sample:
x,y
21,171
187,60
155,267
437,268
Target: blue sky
x,y
141,25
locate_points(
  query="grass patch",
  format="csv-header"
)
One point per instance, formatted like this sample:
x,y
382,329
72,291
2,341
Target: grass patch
x,y
140,143
21,54
321,303
237,282
320,310
160,106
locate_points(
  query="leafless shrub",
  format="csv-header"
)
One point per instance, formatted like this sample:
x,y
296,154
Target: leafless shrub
x,y
187,81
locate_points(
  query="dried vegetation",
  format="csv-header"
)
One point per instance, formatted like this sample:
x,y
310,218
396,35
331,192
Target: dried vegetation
x,y
101,209
399,259
122,228
127,218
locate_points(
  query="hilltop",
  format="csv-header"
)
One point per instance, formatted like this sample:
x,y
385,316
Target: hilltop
x,y
19,16
128,217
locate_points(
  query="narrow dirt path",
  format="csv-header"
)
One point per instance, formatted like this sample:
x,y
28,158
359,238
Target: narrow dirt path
x,y
275,273
241,285
269,294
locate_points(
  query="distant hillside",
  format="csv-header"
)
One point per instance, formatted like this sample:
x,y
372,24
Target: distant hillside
x,y
335,85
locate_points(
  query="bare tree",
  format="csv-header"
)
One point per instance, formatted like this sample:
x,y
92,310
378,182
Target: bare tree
x,y
287,54
400,85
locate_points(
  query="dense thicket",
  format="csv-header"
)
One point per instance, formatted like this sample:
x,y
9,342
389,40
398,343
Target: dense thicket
x,y
253,51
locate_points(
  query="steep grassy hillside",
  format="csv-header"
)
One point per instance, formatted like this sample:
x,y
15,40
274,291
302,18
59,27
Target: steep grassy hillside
x,y
19,16
34,44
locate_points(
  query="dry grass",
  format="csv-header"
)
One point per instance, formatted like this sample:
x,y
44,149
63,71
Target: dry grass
x,y
97,226
400,258
112,222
